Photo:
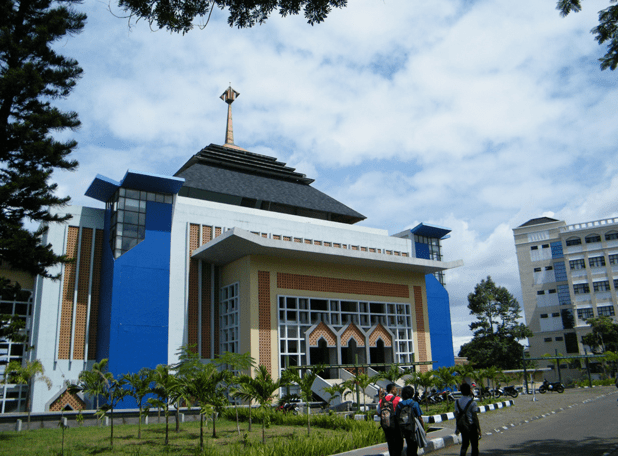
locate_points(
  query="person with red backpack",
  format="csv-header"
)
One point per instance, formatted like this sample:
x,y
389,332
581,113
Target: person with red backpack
x,y
388,421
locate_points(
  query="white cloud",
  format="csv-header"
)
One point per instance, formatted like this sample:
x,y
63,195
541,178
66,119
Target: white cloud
x,y
474,115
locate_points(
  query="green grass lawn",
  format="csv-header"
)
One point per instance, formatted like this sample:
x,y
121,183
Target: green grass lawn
x,y
288,439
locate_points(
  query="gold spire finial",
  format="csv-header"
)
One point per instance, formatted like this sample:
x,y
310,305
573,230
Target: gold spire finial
x,y
229,96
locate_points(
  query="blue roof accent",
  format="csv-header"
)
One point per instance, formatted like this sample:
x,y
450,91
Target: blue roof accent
x,y
431,231
102,188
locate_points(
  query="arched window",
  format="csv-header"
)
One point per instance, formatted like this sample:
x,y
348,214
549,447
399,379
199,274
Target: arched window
x,y
611,235
591,238
573,241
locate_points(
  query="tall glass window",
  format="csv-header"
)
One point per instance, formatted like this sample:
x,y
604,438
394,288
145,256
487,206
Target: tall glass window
x,y
128,219
229,321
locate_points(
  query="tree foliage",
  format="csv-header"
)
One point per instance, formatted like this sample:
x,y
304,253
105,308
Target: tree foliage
x,y
605,32
179,16
26,374
32,76
604,335
496,329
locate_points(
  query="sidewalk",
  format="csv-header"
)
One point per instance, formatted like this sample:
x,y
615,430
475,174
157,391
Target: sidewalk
x,y
526,408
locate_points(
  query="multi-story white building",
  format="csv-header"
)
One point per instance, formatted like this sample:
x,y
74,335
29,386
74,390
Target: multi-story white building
x,y
568,273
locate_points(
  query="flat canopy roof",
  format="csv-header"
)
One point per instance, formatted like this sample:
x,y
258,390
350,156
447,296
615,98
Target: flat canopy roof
x,y
238,243
102,188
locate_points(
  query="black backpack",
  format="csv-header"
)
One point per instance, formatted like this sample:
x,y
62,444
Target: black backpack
x,y
405,420
387,414
462,420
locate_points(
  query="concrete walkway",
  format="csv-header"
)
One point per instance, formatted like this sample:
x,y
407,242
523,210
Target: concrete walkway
x,y
525,409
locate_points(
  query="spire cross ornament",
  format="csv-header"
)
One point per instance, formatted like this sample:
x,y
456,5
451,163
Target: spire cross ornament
x,y
229,96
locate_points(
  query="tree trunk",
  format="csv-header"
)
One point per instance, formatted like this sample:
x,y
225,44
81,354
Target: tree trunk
x,y
139,424
177,417
201,432
167,424
237,423
214,425
111,435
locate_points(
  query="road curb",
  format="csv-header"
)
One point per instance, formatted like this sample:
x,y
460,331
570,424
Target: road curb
x,y
451,416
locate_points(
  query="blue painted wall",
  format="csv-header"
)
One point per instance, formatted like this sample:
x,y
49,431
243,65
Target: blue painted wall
x,y
134,309
439,314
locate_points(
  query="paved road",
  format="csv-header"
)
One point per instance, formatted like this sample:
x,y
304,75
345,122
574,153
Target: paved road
x,y
585,429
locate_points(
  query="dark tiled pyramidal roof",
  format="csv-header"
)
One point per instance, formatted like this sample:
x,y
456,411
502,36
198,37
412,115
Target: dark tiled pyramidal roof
x,y
538,221
235,176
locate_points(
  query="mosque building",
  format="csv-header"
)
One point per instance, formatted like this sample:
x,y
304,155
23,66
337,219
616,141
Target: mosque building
x,y
236,252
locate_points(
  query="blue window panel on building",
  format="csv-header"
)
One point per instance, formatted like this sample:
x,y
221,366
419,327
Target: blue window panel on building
x,y
422,250
564,296
556,250
560,271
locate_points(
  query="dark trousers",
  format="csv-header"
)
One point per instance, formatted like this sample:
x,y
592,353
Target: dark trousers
x,y
394,440
468,438
412,446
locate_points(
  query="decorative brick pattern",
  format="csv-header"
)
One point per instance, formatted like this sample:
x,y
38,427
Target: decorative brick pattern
x,y
96,289
322,331
352,332
66,398
68,293
206,308
218,231
287,238
194,242
264,319
420,327
380,333
331,285
81,306
298,240
206,234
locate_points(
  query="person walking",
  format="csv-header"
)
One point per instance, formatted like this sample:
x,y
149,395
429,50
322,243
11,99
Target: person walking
x,y
406,405
467,421
386,411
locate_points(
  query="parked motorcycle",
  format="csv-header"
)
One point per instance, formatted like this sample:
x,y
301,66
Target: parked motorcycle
x,y
447,396
553,386
510,391
288,408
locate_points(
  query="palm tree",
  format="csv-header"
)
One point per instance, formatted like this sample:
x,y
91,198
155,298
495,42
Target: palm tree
x,y
340,389
99,382
235,362
444,379
393,374
91,382
114,392
261,389
206,385
426,380
305,383
243,390
139,385
26,374
164,387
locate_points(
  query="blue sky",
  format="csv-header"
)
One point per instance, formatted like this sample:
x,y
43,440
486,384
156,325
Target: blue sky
x,y
477,116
